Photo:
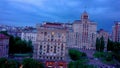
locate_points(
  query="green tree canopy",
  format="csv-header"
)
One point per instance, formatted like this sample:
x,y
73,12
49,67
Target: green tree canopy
x,y
79,64
97,44
76,55
100,44
31,63
4,63
16,45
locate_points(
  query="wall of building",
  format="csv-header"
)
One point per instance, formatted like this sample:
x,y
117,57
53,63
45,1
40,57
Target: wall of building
x,y
51,44
4,45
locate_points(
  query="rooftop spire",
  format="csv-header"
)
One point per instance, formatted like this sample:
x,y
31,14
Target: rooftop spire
x,y
84,16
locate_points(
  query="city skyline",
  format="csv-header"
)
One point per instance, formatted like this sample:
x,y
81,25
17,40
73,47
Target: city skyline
x,y
30,12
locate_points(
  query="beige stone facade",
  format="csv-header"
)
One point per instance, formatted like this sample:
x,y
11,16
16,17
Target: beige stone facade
x,y
84,33
51,42
53,39
116,32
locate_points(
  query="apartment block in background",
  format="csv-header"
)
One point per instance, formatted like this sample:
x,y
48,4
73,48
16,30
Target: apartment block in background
x,y
4,45
116,32
29,35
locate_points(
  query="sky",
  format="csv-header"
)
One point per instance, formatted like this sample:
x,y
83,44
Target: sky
x,y
31,12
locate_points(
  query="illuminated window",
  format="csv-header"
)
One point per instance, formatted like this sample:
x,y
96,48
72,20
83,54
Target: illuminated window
x,y
53,33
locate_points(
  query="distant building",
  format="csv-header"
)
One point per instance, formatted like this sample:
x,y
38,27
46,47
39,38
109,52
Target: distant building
x,y
105,35
29,36
4,45
51,42
116,32
84,33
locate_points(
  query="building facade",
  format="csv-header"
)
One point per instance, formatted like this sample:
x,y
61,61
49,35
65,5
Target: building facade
x,y
116,32
51,42
4,45
29,35
84,33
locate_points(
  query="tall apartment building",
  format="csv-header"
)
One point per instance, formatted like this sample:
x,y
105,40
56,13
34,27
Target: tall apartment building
x,y
116,32
51,42
84,33
4,45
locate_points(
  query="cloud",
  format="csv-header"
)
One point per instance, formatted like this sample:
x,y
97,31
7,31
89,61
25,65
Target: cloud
x,y
33,11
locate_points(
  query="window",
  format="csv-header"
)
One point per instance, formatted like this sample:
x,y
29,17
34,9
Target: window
x,y
40,53
59,35
58,43
59,40
57,57
40,56
55,49
48,39
62,37
44,46
53,33
45,33
50,57
62,47
51,39
61,58
54,57
58,47
40,46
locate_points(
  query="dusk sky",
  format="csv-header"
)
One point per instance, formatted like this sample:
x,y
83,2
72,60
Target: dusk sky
x,y
30,12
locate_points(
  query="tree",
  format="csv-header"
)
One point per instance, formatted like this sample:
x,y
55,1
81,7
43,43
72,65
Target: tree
x,y
4,63
76,55
30,46
116,47
109,45
31,63
11,45
102,44
116,50
97,44
4,32
12,64
71,65
17,45
108,57
79,64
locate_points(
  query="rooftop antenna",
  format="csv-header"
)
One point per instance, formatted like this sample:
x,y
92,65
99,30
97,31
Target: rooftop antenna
x,y
85,8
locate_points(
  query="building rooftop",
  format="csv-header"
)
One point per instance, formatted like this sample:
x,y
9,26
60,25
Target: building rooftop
x,y
2,36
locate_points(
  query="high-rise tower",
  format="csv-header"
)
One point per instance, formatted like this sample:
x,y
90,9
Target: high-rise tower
x,y
84,32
